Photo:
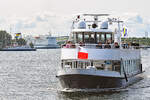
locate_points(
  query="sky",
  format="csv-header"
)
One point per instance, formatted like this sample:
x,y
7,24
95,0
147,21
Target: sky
x,y
37,17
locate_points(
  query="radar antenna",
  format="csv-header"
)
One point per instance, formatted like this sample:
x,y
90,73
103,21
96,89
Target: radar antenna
x,y
95,15
95,24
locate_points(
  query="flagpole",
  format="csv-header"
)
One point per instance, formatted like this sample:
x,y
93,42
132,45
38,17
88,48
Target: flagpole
x,y
119,32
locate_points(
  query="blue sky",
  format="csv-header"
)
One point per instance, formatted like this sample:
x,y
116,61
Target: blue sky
x,y
41,16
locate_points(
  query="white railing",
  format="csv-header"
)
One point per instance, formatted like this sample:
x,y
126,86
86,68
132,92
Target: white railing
x,y
102,46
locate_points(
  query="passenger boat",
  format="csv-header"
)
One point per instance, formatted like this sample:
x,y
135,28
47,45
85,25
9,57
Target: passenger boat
x,y
95,57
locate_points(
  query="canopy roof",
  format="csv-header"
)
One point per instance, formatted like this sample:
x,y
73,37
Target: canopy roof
x,y
92,30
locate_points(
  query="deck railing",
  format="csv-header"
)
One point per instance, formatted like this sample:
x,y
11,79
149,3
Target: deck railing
x,y
102,46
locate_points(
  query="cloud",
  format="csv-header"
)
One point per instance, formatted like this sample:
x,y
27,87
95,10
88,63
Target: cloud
x,y
43,22
38,23
137,25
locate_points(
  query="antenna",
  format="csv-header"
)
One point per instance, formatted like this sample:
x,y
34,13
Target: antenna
x,y
95,16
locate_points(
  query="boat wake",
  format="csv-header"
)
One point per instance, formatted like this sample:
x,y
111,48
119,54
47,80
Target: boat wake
x,y
140,87
110,90
93,90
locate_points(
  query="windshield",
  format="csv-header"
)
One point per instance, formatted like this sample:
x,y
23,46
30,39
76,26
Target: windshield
x,y
92,38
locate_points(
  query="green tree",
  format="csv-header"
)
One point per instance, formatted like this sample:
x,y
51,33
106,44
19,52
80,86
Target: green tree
x,y
21,41
141,41
31,45
5,39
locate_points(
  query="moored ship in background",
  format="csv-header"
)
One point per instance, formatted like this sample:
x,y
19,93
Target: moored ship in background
x,y
95,58
45,42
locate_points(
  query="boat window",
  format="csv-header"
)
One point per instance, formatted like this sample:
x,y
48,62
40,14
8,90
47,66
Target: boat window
x,y
68,64
86,38
107,65
92,37
79,38
87,64
99,65
75,64
89,38
83,64
116,65
108,37
98,38
74,38
103,38
80,64
62,63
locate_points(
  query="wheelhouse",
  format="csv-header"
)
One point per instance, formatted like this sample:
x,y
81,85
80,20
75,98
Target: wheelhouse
x,y
92,37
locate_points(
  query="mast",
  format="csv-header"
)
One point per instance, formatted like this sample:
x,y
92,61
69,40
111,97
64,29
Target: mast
x,y
72,27
115,20
119,33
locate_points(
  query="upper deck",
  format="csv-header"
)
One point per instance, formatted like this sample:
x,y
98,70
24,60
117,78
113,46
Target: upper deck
x,y
99,41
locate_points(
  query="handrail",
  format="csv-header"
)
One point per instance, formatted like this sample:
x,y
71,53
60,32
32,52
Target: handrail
x,y
102,46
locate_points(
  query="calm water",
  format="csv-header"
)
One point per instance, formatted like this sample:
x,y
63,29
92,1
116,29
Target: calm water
x,y
31,76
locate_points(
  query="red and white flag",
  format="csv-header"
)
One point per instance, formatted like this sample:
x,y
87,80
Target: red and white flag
x,y
82,53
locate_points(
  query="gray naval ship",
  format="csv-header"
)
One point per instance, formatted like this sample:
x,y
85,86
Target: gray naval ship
x,y
95,58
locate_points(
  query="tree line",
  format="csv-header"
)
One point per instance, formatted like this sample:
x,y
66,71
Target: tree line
x,y
141,40
7,40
